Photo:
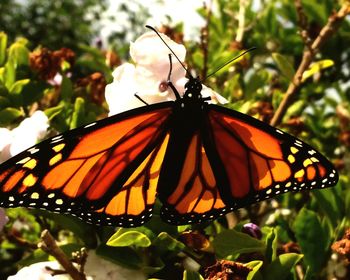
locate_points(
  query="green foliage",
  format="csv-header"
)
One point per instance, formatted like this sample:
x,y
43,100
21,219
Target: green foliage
x,y
127,237
192,275
231,242
312,238
307,222
53,24
280,268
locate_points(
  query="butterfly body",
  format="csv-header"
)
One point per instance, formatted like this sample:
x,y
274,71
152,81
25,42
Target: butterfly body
x,y
201,160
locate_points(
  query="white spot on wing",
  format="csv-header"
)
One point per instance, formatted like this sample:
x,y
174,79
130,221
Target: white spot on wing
x,y
23,161
89,125
33,150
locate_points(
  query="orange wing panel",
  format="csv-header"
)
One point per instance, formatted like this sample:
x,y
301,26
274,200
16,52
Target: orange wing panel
x,y
13,180
254,138
138,194
196,191
107,136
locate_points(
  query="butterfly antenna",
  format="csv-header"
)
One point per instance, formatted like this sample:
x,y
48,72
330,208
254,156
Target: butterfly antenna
x,y
155,30
228,62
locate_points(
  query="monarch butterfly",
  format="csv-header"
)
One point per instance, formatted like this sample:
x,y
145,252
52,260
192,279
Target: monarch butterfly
x,y
201,160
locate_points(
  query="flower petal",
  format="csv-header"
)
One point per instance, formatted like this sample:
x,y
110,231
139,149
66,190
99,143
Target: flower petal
x,y
215,97
29,131
120,94
149,50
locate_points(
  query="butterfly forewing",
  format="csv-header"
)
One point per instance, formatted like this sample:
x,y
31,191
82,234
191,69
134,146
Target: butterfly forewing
x,y
101,168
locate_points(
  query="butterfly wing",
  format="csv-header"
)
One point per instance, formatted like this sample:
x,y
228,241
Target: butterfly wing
x,y
261,161
105,172
189,194
188,186
231,160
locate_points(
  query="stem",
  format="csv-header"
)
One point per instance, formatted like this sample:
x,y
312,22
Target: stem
x,y
303,24
49,245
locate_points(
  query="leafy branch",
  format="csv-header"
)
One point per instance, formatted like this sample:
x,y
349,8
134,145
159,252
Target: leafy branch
x,y
326,32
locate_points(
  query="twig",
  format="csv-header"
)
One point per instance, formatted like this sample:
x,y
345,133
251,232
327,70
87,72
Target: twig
x,y
48,244
303,24
11,236
328,30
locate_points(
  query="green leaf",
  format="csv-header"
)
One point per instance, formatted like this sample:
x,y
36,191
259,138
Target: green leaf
x,y
8,115
78,114
192,275
271,20
255,266
129,237
271,245
329,204
66,88
315,12
311,238
277,97
124,256
3,44
256,80
54,111
284,66
164,242
317,67
17,86
231,242
280,268
295,109
9,75
18,53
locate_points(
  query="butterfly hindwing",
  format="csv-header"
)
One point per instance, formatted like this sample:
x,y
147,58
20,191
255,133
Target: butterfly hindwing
x,y
101,172
188,185
194,195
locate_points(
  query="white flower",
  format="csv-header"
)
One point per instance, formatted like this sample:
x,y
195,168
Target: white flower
x,y
38,271
29,131
96,268
148,77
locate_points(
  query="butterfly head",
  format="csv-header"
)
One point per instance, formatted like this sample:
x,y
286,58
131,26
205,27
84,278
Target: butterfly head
x,y
193,88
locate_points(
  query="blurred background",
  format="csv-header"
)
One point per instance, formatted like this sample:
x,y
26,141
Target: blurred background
x,y
58,56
